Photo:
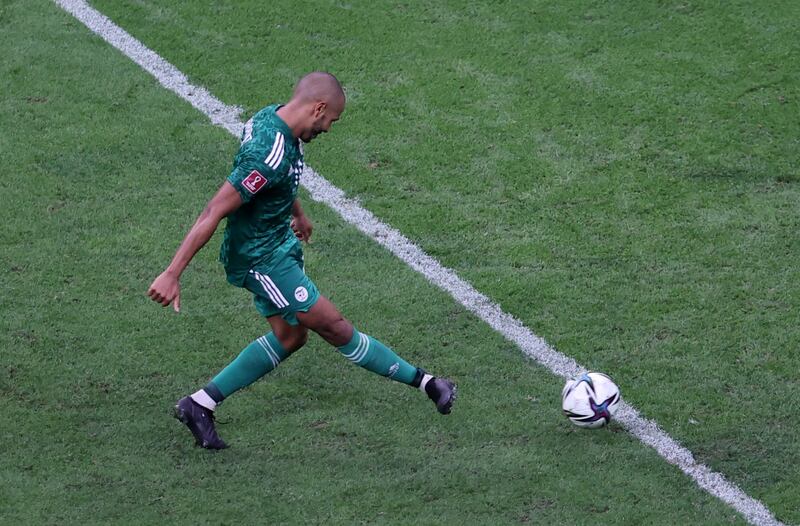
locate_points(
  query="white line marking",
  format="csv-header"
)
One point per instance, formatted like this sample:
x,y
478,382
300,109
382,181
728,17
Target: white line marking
x,y
351,211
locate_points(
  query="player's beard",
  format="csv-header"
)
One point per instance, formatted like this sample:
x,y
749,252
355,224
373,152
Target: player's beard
x,y
311,135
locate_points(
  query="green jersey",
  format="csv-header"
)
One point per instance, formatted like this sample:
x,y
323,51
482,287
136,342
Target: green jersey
x,y
266,173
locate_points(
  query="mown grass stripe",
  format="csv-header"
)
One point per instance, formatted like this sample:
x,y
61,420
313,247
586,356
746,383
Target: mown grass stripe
x,y
321,190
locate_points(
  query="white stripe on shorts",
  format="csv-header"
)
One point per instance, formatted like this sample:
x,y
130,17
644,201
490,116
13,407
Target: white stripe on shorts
x,y
277,291
272,297
272,291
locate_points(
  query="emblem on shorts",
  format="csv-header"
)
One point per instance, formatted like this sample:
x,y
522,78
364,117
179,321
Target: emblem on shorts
x,y
300,294
254,181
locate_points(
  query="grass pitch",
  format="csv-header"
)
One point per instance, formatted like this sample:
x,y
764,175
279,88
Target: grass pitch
x,y
622,178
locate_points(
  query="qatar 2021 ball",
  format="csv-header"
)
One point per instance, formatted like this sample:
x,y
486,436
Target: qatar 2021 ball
x,y
590,400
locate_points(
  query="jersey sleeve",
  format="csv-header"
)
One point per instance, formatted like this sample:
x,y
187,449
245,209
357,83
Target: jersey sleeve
x,y
258,167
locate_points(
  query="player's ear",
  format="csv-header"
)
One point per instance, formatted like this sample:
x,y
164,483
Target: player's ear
x,y
319,109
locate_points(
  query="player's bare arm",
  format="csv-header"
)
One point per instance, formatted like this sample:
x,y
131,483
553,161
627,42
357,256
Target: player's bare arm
x,y
301,225
166,287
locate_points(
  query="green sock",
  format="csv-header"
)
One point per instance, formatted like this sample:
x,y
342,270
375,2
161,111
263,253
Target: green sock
x,y
374,356
256,360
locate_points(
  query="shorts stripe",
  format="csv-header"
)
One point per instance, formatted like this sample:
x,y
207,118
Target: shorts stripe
x,y
275,289
269,287
272,297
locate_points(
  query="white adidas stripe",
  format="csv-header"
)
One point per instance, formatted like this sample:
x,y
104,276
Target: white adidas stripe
x,y
355,351
247,133
364,348
274,149
269,293
358,354
277,163
273,356
262,342
278,300
271,284
276,155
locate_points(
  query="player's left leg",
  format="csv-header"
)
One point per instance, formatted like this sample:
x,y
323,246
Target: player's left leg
x,y
256,360
371,354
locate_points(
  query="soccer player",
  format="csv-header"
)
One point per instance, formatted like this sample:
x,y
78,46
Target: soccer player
x,y
261,252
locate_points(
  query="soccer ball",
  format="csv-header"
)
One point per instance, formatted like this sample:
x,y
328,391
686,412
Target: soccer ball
x,y
590,400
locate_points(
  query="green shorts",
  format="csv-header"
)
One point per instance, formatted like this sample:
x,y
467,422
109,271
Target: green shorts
x,y
281,287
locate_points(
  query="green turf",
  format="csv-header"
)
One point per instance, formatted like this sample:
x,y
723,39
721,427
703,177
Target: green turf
x,y
622,178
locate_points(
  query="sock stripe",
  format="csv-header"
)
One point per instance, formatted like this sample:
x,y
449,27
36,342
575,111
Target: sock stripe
x,y
364,348
271,354
371,354
263,346
361,350
355,351
274,354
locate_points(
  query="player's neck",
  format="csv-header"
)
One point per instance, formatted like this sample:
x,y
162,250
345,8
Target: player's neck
x,y
291,116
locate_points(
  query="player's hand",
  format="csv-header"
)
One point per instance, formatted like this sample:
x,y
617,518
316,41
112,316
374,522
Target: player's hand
x,y
302,227
166,289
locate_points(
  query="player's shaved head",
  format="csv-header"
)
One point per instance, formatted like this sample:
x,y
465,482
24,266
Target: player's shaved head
x,y
317,102
319,86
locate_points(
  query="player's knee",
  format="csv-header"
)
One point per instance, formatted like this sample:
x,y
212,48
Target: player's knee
x,y
327,321
300,339
293,340
338,332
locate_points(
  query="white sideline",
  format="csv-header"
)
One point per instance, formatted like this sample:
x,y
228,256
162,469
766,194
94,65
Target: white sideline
x,y
351,211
